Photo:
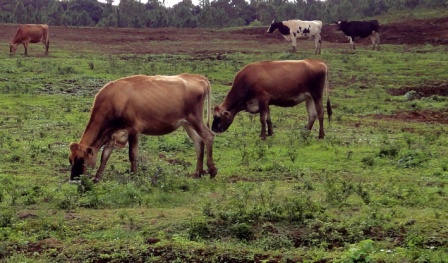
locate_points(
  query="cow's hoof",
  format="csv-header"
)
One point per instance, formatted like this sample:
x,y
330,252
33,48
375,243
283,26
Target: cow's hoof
x,y
96,180
198,174
213,172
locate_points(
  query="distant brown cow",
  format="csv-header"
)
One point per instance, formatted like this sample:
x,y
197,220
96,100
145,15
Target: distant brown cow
x,y
30,33
281,83
152,105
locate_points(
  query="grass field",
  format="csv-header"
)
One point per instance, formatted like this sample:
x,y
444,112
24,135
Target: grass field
x,y
374,190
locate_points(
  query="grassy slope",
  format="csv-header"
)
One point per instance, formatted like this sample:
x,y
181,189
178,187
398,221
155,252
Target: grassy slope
x,y
372,189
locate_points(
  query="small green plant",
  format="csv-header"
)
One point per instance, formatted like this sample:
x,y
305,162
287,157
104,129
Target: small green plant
x,y
337,191
368,161
91,65
389,151
198,230
6,218
243,231
65,70
360,252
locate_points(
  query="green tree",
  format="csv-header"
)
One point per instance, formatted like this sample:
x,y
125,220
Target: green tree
x,y
81,7
131,13
181,15
158,17
265,12
7,17
54,13
19,13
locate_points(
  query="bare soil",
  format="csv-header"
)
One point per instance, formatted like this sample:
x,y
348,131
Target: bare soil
x,y
214,41
428,116
439,89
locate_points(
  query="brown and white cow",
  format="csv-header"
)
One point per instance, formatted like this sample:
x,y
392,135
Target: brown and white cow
x,y
284,83
30,33
151,105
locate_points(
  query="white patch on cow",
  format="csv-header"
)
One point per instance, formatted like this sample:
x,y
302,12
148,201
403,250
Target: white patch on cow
x,y
302,97
121,138
311,107
351,41
252,106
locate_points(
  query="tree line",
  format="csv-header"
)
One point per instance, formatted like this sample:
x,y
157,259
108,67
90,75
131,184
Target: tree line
x,y
208,14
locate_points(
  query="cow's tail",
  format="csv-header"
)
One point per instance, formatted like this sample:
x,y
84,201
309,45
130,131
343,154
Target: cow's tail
x,y
327,92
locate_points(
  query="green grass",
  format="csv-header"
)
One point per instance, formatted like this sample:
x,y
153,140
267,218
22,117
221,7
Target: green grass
x,y
410,14
374,190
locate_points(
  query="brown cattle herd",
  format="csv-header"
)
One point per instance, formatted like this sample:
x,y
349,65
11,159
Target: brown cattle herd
x,y
158,105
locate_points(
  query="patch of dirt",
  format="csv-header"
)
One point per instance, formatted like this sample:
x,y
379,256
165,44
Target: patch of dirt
x,y
439,89
211,43
44,245
428,116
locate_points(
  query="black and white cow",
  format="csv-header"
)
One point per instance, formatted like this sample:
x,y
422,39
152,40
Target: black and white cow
x,y
293,29
361,29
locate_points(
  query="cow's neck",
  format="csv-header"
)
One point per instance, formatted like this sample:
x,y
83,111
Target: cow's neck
x,y
283,29
234,102
96,133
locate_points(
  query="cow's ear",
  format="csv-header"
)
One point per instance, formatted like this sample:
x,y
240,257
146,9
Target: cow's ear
x,y
273,21
74,146
217,108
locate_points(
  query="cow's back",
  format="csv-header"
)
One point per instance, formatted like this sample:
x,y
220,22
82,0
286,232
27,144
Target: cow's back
x,y
278,78
141,101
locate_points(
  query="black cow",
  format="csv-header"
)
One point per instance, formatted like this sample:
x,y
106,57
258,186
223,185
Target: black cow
x,y
361,29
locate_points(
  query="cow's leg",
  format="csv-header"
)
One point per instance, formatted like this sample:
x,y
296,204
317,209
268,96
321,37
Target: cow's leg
x,y
312,113
352,42
377,41
202,136
264,113
133,151
317,43
373,39
199,147
320,116
47,45
293,43
107,150
25,45
269,122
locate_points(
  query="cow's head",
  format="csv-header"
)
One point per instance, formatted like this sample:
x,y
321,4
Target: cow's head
x,y
274,25
222,119
12,48
81,157
340,22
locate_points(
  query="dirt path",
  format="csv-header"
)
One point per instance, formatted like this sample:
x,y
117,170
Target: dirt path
x,y
198,40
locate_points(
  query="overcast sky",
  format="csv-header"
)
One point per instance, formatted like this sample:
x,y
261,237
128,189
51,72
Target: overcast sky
x,y
168,3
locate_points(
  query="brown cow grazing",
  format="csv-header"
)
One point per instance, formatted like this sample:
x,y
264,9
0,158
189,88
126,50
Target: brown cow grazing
x,y
30,33
151,105
281,83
